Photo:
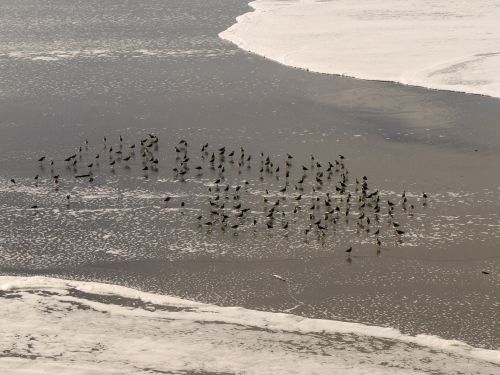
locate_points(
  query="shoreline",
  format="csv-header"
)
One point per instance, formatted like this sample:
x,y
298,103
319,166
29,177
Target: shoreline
x,y
163,313
230,35
401,137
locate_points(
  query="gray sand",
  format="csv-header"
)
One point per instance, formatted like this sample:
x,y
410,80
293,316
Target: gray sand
x,y
118,230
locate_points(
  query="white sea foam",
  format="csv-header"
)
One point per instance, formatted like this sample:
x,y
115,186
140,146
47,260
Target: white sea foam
x,y
450,45
51,325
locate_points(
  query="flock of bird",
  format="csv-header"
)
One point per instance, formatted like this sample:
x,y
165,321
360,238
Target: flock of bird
x,y
315,198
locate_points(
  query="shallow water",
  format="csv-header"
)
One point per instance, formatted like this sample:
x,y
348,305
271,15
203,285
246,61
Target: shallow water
x,y
119,230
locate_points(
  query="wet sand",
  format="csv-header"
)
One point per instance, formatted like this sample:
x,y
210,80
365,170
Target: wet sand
x,y
402,138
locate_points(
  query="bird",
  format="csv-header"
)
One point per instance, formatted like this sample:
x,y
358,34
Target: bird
x,y
279,277
349,250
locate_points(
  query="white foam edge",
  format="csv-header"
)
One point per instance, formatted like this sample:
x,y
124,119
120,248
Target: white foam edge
x,y
262,8
280,322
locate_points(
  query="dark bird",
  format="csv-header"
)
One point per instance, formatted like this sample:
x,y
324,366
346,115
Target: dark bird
x,y
349,250
41,159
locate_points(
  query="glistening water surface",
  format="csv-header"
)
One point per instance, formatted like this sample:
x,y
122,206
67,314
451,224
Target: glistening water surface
x,y
131,69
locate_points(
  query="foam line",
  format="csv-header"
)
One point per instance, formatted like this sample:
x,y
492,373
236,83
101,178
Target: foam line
x,y
76,327
448,45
